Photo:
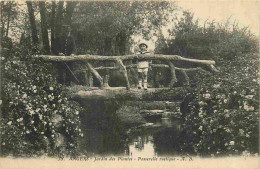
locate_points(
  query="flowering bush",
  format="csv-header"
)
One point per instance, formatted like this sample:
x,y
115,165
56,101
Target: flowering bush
x,y
37,115
221,113
222,118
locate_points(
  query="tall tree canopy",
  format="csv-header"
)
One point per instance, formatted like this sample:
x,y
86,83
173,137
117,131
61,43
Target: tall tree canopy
x,y
106,27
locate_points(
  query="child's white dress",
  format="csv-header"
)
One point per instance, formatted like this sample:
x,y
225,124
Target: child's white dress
x,y
143,66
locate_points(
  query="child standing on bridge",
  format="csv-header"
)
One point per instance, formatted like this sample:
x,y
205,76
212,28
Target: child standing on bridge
x,y
142,67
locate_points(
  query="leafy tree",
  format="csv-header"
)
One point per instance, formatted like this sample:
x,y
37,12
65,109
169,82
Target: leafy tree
x,y
213,41
106,27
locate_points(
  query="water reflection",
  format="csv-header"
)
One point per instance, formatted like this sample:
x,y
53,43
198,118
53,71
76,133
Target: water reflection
x,y
142,146
162,138
105,135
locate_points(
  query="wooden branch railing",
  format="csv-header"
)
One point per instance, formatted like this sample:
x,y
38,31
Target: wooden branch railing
x,y
170,60
126,57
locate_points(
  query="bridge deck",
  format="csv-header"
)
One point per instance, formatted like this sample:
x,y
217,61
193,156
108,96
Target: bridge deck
x,y
83,92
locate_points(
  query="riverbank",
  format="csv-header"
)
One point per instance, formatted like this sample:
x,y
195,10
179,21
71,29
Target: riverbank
x,y
120,162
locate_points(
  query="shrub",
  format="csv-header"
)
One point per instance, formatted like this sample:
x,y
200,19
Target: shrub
x,y
37,116
222,116
220,113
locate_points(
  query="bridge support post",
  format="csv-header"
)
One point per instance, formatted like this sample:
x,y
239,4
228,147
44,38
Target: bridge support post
x,y
122,68
88,78
186,78
96,74
173,75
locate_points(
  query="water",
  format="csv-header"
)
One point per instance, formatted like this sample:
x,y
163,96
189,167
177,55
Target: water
x,y
105,135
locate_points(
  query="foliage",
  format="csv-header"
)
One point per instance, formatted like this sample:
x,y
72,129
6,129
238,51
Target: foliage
x,y
105,27
36,113
222,117
215,40
8,14
220,113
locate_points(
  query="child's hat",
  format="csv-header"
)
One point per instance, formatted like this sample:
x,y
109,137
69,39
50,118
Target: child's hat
x,y
141,44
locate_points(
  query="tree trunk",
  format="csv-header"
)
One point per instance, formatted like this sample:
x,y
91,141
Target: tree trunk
x,y
59,18
32,22
44,28
52,24
8,19
2,21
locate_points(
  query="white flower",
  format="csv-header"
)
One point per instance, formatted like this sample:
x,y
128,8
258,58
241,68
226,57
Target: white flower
x,y
42,132
77,112
40,116
45,106
34,91
51,88
34,87
24,95
200,128
235,92
37,110
81,134
54,105
232,143
225,100
207,95
27,132
216,85
31,112
79,130
3,143
19,120
249,96
9,123
32,121
201,103
52,136
228,130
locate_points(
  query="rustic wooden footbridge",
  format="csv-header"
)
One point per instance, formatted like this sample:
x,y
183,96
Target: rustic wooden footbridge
x,y
124,63
92,65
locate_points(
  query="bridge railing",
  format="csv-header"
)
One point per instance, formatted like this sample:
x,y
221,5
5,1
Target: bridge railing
x,y
121,64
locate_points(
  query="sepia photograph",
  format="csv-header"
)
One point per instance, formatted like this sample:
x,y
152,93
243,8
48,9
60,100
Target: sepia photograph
x,y
129,84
